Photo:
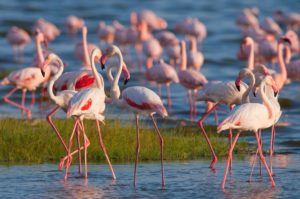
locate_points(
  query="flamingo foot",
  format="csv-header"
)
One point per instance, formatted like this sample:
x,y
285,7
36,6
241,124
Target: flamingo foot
x,y
213,163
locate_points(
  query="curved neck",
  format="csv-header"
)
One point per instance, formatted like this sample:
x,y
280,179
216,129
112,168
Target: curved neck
x,y
183,56
193,44
283,72
99,82
39,52
245,98
87,61
250,60
56,76
266,100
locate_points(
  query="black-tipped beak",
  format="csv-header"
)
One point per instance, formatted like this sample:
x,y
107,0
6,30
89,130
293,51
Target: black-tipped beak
x,y
254,94
238,87
275,94
126,81
102,66
43,72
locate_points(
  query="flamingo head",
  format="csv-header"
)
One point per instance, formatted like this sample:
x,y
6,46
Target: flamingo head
x,y
47,61
262,69
109,52
242,74
285,40
126,73
271,82
40,37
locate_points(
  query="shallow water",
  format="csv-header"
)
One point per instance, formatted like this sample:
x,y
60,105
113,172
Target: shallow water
x,y
189,179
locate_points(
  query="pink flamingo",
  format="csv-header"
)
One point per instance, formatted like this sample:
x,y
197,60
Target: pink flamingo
x,y
166,38
173,52
294,39
139,100
152,50
18,39
89,104
73,24
105,33
152,20
80,51
195,58
163,73
271,27
191,27
246,19
191,79
291,20
251,116
48,29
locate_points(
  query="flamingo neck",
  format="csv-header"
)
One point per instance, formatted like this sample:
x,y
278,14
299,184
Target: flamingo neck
x,y
39,52
99,81
193,45
282,67
183,57
245,98
266,100
250,60
87,61
55,77
288,55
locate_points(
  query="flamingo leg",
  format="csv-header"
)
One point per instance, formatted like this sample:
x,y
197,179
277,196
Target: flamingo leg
x,y
104,150
169,95
23,100
32,98
228,159
86,143
190,102
78,148
272,148
230,139
158,90
137,149
7,100
263,159
161,150
260,165
69,150
200,123
253,164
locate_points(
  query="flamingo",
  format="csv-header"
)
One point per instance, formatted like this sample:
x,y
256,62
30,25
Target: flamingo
x,y
195,58
89,104
270,27
251,116
246,19
83,49
191,27
105,33
152,50
47,28
189,78
152,20
163,73
18,39
73,24
137,99
29,78
291,20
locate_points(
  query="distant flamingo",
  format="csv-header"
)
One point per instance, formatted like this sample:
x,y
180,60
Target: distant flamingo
x,y
137,99
89,104
251,116
195,58
191,79
291,20
153,21
246,19
163,73
83,49
271,27
18,39
48,29
73,24
152,50
105,32
191,27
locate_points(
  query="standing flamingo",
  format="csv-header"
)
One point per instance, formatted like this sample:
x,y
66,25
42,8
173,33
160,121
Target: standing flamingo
x,y
195,58
163,73
18,39
251,116
137,99
190,78
48,29
89,104
73,24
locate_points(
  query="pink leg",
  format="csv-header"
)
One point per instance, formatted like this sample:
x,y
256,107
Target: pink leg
x,y
137,149
158,90
190,102
85,150
169,95
263,159
260,165
23,100
32,98
272,148
253,164
69,149
104,150
78,148
200,123
7,100
161,151
230,144
228,159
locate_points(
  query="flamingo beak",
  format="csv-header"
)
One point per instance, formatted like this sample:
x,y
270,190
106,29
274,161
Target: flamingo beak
x,y
275,89
237,84
103,60
125,81
126,73
43,72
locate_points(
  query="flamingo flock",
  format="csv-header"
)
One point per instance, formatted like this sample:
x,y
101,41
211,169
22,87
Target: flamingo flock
x,y
166,59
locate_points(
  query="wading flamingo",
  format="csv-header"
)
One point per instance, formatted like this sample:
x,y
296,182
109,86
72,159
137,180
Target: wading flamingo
x,y
190,78
137,99
73,24
47,28
89,104
251,116
18,39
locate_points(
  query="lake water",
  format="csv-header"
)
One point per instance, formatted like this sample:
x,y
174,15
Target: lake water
x,y
189,179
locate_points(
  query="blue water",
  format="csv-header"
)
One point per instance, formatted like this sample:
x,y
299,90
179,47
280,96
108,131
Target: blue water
x,y
184,180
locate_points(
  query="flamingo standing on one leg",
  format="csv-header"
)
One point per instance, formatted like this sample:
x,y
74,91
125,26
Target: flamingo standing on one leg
x,y
251,116
190,78
139,100
18,39
89,104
